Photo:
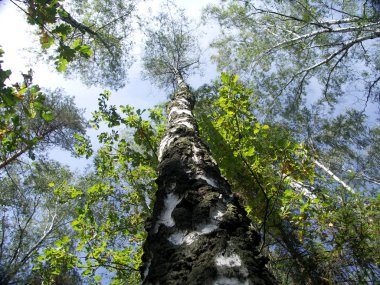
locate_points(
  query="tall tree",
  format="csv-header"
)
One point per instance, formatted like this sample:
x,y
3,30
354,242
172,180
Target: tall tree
x,y
328,241
31,215
199,233
32,218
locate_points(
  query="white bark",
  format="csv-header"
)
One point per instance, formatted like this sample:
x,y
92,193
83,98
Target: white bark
x,y
332,175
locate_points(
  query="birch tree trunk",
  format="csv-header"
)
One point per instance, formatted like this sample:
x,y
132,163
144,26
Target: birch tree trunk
x,y
198,233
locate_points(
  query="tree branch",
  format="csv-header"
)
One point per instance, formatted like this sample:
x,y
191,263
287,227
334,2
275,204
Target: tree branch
x,y
345,48
336,178
67,18
375,34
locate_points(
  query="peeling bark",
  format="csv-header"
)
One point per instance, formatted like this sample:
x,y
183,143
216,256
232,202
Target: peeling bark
x,y
198,233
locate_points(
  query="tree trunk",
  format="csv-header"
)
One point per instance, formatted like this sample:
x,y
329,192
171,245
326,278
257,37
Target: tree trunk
x,y
198,233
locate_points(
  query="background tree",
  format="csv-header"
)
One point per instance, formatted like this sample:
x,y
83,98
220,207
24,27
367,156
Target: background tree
x,y
301,57
31,218
30,119
177,51
273,45
286,47
93,38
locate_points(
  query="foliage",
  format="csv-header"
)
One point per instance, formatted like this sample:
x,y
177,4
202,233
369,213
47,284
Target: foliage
x,y
29,118
273,149
91,37
308,221
171,49
31,217
289,47
302,213
116,197
301,57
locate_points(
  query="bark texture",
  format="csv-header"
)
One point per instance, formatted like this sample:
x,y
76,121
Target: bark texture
x,y
198,233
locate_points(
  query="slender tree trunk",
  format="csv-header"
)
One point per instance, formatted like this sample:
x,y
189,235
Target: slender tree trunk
x,y
198,233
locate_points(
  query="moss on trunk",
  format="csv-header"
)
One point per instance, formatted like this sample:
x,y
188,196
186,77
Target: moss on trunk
x,y
198,233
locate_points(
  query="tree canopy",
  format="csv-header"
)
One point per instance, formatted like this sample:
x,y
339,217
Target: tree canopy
x,y
71,32
288,47
171,48
31,216
290,123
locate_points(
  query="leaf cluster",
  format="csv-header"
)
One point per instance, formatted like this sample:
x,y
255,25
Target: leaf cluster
x,y
302,213
30,118
96,47
115,198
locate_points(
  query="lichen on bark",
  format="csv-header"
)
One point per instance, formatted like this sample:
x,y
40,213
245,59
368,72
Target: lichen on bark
x,y
199,233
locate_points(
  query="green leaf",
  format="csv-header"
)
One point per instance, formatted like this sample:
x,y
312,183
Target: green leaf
x,y
61,64
9,99
63,13
46,41
62,30
250,152
224,77
76,44
248,209
85,51
66,52
87,272
47,116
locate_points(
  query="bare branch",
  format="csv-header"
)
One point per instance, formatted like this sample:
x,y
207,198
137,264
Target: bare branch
x,y
331,71
336,178
326,30
319,23
345,48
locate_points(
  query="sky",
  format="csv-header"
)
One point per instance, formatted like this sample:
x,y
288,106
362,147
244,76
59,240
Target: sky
x,y
16,37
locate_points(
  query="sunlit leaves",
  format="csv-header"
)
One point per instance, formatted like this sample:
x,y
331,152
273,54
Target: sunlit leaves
x,y
21,107
47,116
70,35
255,144
83,146
85,51
55,261
46,40
284,193
117,197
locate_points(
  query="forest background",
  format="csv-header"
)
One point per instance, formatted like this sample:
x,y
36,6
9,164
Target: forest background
x,y
296,135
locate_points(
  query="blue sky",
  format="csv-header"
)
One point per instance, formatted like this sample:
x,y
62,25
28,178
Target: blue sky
x,y
16,36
